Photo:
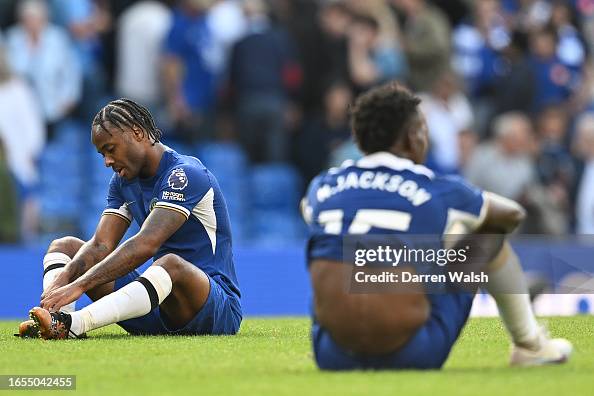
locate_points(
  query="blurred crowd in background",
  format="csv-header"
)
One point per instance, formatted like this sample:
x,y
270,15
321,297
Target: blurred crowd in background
x,y
260,91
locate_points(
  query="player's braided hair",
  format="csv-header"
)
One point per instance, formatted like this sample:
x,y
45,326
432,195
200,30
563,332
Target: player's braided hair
x,y
125,112
381,115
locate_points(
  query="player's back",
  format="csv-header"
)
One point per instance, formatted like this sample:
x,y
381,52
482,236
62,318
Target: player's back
x,y
379,194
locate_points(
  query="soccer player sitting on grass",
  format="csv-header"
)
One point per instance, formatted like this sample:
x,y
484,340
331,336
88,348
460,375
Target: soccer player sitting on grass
x,y
378,195
191,287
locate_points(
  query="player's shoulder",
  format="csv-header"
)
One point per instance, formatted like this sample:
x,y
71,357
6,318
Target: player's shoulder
x,y
377,169
184,169
330,175
187,162
381,162
455,191
453,183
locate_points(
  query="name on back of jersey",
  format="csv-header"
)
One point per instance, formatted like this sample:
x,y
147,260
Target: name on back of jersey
x,y
369,180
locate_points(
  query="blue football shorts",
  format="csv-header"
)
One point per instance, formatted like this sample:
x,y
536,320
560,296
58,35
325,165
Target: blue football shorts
x,y
220,315
427,349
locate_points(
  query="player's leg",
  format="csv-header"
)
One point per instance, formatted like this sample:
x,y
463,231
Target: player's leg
x,y
191,287
190,292
507,285
59,254
184,286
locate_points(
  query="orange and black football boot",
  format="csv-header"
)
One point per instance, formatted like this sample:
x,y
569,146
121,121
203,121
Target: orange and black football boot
x,y
52,325
28,329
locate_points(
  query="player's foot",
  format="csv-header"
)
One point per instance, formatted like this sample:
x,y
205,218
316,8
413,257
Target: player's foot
x,y
28,329
52,325
545,350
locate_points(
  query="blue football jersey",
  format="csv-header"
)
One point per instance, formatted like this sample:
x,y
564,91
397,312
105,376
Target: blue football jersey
x,y
182,184
384,194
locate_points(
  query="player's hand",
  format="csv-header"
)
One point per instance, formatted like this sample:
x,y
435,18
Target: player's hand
x,y
64,295
61,280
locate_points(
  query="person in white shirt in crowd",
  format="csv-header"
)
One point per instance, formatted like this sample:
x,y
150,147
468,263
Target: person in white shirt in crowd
x,y
448,113
86,21
228,24
571,50
44,55
142,29
23,132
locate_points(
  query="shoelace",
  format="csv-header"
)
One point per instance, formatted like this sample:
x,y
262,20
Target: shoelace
x,y
61,317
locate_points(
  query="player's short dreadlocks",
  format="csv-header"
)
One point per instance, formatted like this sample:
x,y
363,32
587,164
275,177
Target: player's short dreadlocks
x,y
125,112
381,115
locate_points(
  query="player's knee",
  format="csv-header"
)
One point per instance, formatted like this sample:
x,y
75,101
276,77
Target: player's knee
x,y
173,264
68,245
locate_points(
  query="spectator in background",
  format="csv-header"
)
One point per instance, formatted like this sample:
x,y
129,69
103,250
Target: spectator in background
x,y
554,80
556,168
141,31
584,149
388,27
228,24
531,15
515,83
448,114
371,60
9,223
571,50
505,165
86,20
191,68
325,133
426,42
23,134
477,45
43,54
263,75
331,62
301,20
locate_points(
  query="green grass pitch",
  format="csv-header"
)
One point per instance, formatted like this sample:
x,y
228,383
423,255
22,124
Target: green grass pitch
x,y
273,357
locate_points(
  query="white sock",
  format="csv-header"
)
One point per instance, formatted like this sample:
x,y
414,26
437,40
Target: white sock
x,y
53,265
131,301
508,287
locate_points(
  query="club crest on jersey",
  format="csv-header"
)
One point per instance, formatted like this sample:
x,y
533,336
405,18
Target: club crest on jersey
x,y
178,179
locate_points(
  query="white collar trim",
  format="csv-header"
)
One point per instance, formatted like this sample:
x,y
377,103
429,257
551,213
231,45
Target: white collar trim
x,y
389,160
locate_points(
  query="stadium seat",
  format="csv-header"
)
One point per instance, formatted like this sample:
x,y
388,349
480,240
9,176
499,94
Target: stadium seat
x,y
274,228
72,134
222,157
275,186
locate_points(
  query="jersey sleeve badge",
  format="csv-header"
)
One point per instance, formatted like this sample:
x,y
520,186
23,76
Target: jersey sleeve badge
x,y
177,179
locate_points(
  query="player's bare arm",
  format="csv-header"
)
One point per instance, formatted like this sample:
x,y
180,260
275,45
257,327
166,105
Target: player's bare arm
x,y
109,233
502,214
159,226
